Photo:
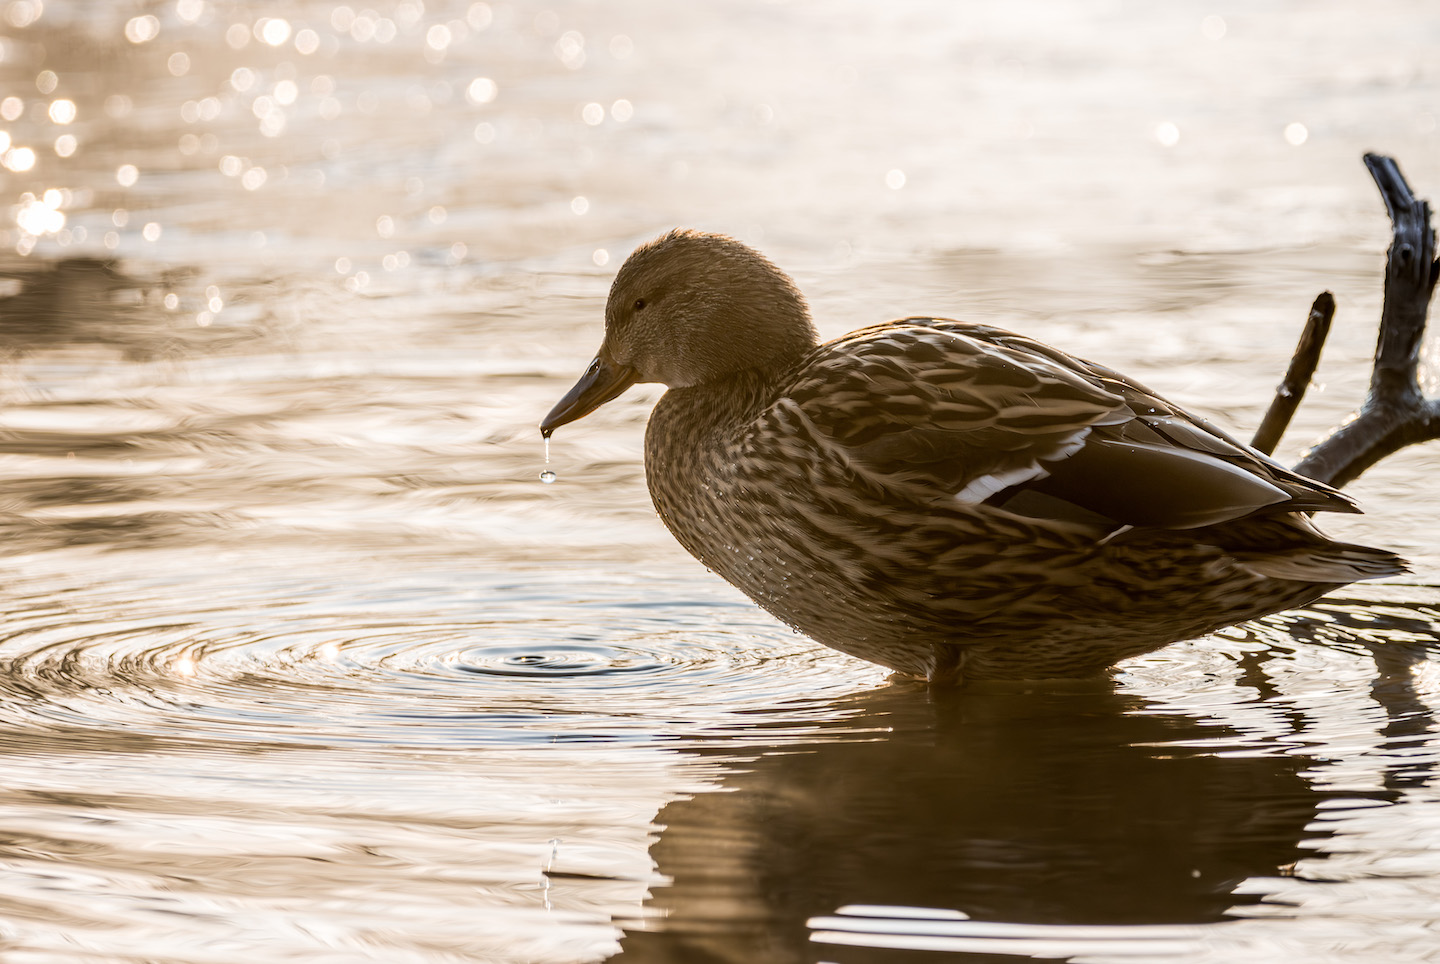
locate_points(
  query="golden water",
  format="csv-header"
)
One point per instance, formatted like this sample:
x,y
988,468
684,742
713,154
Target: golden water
x,y
301,663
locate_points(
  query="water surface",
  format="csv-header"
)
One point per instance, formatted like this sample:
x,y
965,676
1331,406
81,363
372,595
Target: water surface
x,y
302,662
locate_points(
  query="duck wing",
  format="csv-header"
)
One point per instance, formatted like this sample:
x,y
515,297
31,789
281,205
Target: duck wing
x,y
939,410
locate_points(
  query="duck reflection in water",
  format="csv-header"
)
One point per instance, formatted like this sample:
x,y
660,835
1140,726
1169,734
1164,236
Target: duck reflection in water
x,y
1039,804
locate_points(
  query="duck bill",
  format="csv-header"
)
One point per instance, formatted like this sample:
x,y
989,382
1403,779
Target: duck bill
x,y
601,382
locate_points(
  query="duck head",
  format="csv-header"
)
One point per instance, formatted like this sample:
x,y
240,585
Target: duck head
x,y
685,309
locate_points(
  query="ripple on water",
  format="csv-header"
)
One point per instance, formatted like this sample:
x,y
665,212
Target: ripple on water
x,y
434,658
1351,670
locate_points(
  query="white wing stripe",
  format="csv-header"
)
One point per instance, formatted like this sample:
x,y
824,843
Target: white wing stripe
x,y
987,485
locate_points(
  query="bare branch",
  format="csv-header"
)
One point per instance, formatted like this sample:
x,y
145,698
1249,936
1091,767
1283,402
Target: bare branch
x,y
1297,377
1395,412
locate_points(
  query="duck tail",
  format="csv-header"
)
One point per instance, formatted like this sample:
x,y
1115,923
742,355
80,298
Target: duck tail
x,y
1334,562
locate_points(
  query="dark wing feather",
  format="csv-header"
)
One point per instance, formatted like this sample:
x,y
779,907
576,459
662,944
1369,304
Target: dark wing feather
x,y
945,410
913,403
1164,426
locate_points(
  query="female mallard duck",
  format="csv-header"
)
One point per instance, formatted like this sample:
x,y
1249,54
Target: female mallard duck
x,y
951,500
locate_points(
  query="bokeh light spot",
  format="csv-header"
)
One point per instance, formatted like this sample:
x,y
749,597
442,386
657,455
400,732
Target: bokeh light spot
x,y
126,175
570,48
363,28
37,218
189,10
23,13
1296,134
1167,133
272,30
895,179
139,30
482,90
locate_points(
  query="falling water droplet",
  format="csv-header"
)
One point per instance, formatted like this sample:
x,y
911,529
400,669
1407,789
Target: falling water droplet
x,y
547,476
545,874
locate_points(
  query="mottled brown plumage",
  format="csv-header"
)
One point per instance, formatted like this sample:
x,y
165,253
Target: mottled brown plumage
x,y
951,500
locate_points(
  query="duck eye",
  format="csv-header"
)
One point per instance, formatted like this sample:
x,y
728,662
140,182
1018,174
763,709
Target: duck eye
x,y
639,303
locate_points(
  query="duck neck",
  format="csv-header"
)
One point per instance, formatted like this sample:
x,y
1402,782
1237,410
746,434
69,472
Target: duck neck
x,y
692,426
697,412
